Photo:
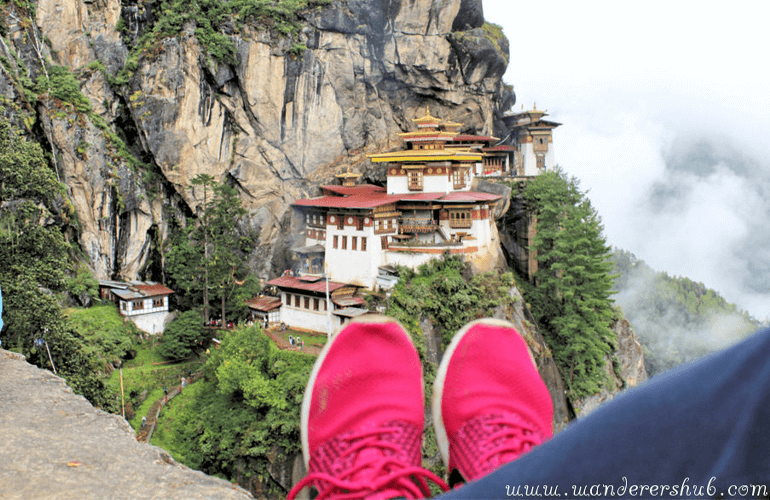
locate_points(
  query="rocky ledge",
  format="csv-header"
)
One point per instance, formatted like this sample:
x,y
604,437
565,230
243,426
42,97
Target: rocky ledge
x,y
55,445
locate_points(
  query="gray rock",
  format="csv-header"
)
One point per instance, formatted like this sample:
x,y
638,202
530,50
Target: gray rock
x,y
55,445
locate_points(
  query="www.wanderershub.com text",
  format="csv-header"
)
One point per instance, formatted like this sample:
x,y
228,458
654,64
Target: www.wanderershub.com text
x,y
625,489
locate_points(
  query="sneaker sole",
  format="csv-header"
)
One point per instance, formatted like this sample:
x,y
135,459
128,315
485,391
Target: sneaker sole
x,y
438,384
305,414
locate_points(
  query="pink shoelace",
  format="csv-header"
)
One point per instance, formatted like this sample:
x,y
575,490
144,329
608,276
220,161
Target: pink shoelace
x,y
486,443
376,471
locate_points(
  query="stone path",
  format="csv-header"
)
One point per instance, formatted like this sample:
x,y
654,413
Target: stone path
x,y
55,445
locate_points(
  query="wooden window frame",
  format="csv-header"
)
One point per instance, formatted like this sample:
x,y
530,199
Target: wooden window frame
x,y
414,180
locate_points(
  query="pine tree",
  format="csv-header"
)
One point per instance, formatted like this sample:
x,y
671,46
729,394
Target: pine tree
x,y
573,285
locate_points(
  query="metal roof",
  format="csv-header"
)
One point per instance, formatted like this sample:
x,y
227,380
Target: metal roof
x,y
295,283
264,303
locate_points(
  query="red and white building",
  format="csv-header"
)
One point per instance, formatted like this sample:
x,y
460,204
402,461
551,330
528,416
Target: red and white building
x,y
356,233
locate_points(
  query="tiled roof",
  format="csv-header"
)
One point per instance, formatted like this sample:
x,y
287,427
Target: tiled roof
x,y
369,200
477,138
154,289
297,284
470,196
349,301
264,303
502,147
136,289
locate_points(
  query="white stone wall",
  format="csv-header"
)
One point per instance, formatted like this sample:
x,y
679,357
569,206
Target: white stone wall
x,y
353,266
150,322
397,184
307,319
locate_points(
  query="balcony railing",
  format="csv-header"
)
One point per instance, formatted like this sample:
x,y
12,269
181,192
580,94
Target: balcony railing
x,y
410,226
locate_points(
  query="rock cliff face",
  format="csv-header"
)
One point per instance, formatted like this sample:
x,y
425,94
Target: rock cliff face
x,y
56,445
275,124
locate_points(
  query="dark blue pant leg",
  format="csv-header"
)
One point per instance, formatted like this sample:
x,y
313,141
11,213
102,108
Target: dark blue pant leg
x,y
699,431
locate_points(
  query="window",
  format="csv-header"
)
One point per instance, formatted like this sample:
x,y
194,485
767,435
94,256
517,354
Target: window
x,y
315,304
354,243
460,219
363,243
326,306
122,305
458,179
157,302
137,304
344,242
296,301
415,180
307,302
360,223
334,241
384,241
340,222
541,162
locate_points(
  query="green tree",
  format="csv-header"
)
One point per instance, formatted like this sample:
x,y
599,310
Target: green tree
x,y
214,248
205,180
573,284
183,336
34,262
246,411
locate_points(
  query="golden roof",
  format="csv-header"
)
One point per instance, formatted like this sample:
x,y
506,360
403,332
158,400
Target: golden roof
x,y
427,155
427,119
348,175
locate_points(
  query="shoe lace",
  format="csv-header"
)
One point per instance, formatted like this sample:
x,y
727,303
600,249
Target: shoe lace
x,y
509,438
373,472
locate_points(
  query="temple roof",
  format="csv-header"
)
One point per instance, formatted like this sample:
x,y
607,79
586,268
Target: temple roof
x,y
427,155
427,119
373,200
264,304
295,283
363,200
474,138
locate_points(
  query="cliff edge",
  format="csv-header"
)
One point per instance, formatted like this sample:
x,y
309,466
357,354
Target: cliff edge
x,y
55,445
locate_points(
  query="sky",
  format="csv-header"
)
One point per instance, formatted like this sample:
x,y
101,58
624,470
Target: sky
x,y
665,114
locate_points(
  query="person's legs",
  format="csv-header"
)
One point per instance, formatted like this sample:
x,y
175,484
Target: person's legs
x,y
701,431
363,416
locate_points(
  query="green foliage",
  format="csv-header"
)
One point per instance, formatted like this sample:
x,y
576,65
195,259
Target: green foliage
x,y
571,299
494,33
446,291
214,20
677,320
183,336
244,414
61,84
213,250
107,336
34,256
83,283
24,172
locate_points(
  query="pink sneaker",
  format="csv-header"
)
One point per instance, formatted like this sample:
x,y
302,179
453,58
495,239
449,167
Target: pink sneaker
x,y
490,405
363,414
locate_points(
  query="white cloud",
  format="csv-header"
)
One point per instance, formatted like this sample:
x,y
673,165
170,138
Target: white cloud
x,y
664,109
